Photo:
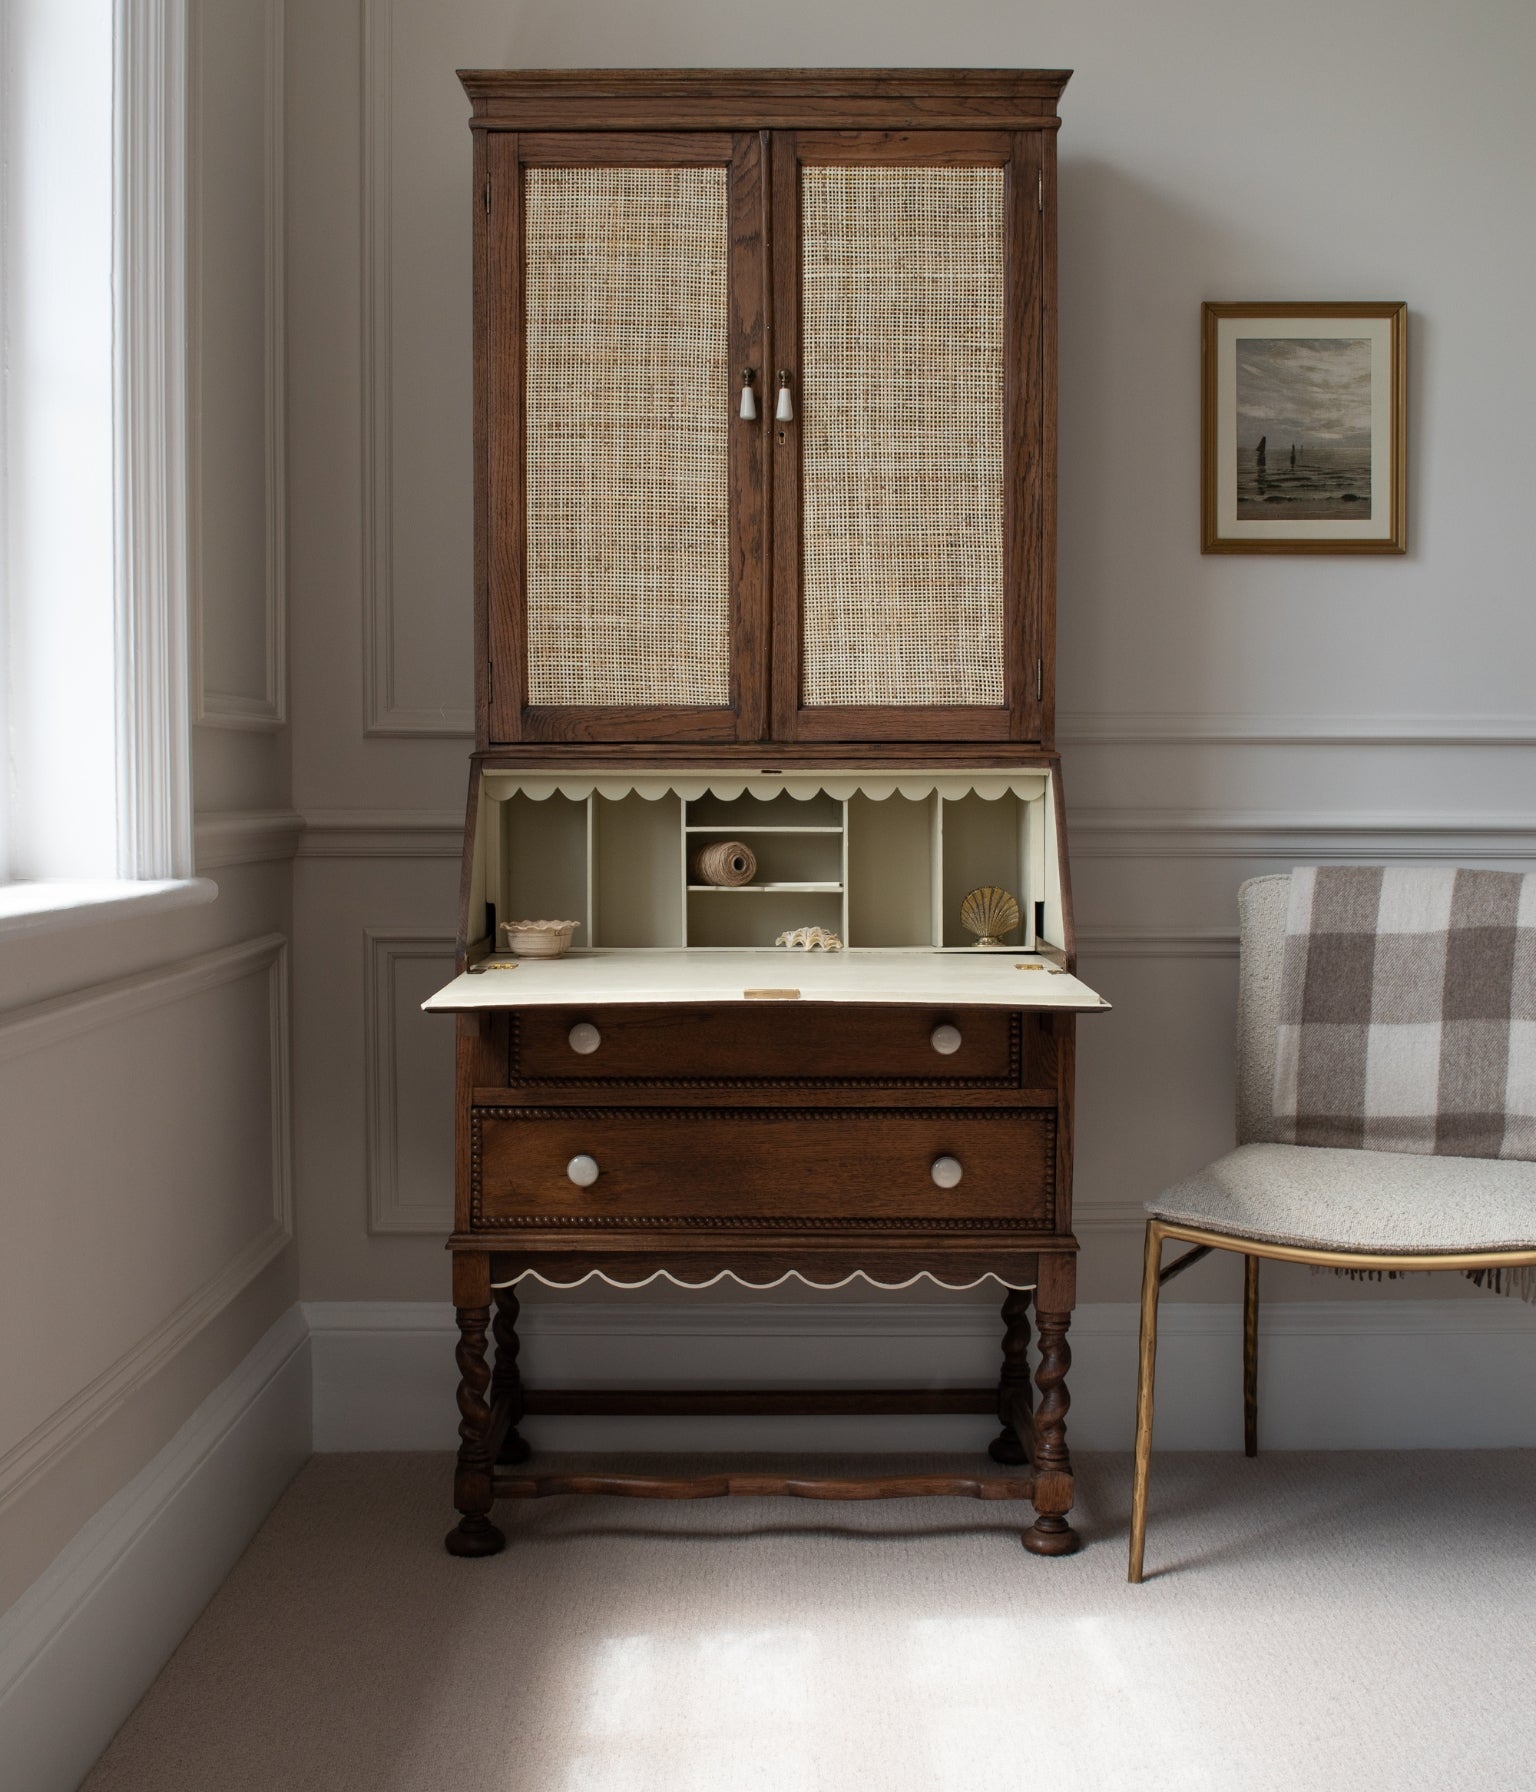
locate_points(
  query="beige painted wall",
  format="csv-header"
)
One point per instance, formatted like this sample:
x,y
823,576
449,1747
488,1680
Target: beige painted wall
x,y
145,1226
1221,716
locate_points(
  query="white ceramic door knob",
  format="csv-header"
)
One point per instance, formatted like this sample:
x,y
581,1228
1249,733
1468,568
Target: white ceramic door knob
x,y
945,1040
583,1171
947,1171
584,1037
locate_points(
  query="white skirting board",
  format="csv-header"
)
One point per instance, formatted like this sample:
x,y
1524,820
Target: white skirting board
x,y
1340,1374
82,1644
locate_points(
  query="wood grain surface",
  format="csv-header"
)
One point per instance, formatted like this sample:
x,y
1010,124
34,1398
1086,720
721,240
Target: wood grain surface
x,y
818,1165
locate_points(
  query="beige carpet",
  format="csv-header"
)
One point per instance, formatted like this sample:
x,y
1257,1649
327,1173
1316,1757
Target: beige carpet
x,y
1354,1621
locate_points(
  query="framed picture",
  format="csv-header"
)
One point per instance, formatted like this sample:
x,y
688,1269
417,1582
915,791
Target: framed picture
x,y
1303,429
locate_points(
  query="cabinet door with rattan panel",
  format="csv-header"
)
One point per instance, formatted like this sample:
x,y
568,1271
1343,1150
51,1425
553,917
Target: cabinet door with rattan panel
x,y
622,301
912,559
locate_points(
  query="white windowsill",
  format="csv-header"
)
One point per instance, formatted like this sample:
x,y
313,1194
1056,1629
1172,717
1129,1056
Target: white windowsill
x,y
44,907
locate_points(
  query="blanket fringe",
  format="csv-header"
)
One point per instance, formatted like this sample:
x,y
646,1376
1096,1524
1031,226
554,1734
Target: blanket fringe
x,y
1517,1280
1366,1275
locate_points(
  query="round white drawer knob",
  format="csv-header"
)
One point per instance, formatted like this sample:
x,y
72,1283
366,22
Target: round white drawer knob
x,y
584,1037
583,1171
945,1040
947,1171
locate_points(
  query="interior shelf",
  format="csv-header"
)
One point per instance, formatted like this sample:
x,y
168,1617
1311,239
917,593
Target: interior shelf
x,y
884,862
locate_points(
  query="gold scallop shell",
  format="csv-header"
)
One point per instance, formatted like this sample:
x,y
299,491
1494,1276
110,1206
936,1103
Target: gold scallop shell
x,y
989,913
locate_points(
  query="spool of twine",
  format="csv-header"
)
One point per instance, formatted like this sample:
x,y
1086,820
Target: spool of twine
x,y
727,862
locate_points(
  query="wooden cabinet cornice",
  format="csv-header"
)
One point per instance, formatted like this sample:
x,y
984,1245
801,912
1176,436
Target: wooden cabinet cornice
x,y
745,99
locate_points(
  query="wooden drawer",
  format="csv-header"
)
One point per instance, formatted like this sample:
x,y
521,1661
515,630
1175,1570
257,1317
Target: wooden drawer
x,y
829,1165
777,1043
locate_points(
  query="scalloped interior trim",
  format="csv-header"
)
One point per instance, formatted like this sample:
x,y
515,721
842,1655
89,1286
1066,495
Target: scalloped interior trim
x,y
500,784
857,1275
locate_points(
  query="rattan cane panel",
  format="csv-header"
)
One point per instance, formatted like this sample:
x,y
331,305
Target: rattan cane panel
x,y
628,403
902,435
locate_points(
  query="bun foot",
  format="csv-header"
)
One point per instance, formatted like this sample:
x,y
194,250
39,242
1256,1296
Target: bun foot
x,y
515,1448
1006,1448
474,1535
1051,1535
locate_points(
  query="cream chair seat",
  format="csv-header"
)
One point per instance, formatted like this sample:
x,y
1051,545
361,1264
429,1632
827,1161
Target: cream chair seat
x,y
1359,1200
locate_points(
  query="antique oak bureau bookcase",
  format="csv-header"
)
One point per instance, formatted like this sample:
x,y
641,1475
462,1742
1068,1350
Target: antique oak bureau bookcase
x,y
764,549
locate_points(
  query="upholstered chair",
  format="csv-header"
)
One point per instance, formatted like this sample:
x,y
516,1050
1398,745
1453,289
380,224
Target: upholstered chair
x,y
1347,1209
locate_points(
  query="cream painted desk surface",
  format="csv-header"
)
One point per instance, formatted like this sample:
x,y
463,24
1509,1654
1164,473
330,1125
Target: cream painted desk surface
x,y
594,978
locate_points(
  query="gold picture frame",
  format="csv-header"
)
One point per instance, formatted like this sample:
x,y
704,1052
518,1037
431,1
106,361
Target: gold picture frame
x,y
1304,428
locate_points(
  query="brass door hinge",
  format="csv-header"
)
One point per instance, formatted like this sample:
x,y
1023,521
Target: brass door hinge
x,y
1039,681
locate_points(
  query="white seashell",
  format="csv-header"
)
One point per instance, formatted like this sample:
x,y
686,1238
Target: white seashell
x,y
810,938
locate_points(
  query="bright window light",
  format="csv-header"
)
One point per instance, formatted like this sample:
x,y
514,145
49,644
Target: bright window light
x,y
58,682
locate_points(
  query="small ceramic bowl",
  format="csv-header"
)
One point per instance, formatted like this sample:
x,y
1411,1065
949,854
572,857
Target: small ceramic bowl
x,y
538,939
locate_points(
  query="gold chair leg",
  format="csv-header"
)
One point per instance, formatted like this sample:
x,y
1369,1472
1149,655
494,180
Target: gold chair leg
x,y
1250,1355
1146,1371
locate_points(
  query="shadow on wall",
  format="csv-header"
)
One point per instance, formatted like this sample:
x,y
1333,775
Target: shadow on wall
x,y
1136,263
1134,590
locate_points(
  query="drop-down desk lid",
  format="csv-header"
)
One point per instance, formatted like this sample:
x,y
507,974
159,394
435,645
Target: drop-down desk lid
x,y
648,977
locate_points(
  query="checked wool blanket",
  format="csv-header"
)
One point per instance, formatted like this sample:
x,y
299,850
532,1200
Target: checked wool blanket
x,y
1408,1011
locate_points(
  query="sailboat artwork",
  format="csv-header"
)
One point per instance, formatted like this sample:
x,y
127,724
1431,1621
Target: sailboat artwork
x,y
1303,427
1316,392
